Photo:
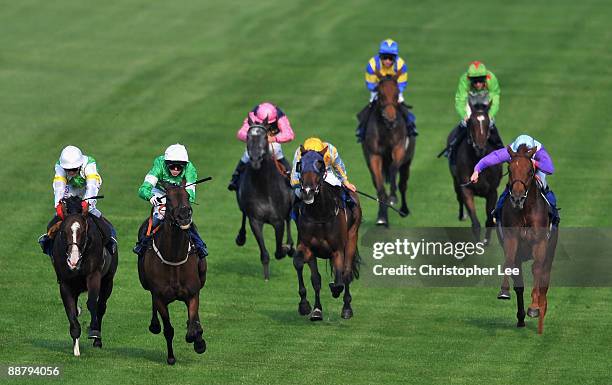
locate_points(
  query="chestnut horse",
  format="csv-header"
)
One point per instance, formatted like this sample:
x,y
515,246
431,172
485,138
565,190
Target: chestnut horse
x,y
82,263
387,148
327,229
469,152
526,232
171,270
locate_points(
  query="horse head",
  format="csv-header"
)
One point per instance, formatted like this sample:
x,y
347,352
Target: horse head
x,y
312,170
74,230
178,208
388,98
479,122
520,174
257,142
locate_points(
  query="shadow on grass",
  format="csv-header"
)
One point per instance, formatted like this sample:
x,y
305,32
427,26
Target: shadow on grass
x,y
494,325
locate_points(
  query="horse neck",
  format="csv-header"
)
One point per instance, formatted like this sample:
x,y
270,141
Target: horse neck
x,y
167,239
324,203
261,178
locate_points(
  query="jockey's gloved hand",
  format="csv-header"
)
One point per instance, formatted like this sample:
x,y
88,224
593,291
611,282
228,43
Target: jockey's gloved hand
x,y
491,121
400,98
373,95
155,201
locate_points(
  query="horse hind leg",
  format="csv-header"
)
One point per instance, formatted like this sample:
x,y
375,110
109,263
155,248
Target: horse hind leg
x,y
490,205
337,286
347,310
289,244
257,228
105,291
519,289
404,174
94,282
281,250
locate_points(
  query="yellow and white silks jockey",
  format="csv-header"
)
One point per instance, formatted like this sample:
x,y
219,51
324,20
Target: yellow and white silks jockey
x,y
76,175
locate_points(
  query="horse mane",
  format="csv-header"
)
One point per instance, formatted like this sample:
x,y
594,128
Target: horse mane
x,y
73,205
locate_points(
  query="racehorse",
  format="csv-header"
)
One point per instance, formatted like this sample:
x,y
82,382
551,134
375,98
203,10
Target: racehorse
x,y
171,270
327,229
82,263
387,148
525,233
264,196
469,152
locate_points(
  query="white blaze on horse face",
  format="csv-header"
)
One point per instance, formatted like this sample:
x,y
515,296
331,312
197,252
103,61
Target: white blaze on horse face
x,y
480,119
74,249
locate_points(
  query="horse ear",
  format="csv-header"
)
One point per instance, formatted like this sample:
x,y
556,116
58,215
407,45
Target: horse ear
x,y
323,151
265,121
512,153
397,75
302,150
378,74
249,121
531,152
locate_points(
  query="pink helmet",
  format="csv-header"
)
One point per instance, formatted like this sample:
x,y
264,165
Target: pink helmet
x,y
266,110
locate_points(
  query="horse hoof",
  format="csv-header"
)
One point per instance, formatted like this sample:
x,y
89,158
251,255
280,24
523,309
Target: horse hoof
x,y
199,346
97,343
485,242
336,290
316,315
155,328
347,313
404,212
171,360
382,222
462,218
503,294
533,313
392,200
241,238
291,251
266,272
280,255
304,308
79,311
520,324
94,334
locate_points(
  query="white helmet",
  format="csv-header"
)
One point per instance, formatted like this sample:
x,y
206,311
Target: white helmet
x,y
177,153
71,157
527,141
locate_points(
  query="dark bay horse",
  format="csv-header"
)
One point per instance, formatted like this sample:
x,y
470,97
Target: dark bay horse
x,y
526,233
387,148
82,263
171,270
469,152
327,230
264,196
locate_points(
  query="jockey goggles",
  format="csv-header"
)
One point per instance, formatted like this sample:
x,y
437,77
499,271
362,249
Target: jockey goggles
x,y
478,79
176,166
387,57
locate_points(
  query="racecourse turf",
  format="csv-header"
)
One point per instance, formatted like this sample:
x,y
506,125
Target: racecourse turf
x,y
123,80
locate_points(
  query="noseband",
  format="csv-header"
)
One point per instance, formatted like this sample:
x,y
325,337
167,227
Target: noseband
x,y
521,200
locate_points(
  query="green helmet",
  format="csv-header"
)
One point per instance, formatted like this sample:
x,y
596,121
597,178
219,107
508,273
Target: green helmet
x,y
476,70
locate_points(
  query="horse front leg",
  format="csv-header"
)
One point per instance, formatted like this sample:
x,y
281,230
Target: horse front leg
x,y
289,244
298,263
154,325
315,279
538,294
468,199
69,298
106,289
397,157
490,206
241,237
257,228
519,289
376,170
194,327
162,309
94,281
347,310
404,174
510,250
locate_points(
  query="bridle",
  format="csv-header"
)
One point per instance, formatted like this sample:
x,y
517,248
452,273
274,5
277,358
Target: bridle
x,y
383,105
480,117
80,248
520,201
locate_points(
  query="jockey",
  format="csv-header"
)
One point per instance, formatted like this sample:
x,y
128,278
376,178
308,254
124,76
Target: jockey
x,y
171,167
477,79
77,175
386,62
335,172
279,132
542,162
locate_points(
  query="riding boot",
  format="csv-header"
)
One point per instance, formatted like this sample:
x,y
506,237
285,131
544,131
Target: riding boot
x,y
144,241
235,181
500,203
198,243
552,199
460,135
495,138
45,241
111,245
285,164
295,209
410,120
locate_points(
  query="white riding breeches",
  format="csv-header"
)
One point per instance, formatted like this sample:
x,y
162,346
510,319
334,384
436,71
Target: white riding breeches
x,y
275,148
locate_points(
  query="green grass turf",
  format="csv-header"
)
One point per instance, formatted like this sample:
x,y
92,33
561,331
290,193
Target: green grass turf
x,y
125,79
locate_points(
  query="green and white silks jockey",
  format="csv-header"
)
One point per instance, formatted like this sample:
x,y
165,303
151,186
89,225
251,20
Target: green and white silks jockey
x,y
477,79
77,174
171,167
